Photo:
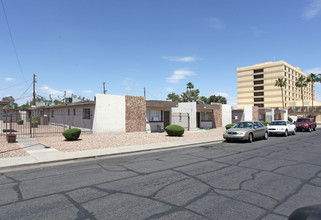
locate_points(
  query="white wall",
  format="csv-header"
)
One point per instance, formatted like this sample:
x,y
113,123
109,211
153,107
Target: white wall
x,y
286,115
248,113
110,113
186,107
226,114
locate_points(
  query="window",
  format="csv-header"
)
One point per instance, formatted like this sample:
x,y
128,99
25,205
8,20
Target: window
x,y
258,82
258,99
86,113
68,111
258,87
74,111
285,68
258,125
259,71
206,116
284,74
258,93
154,115
52,113
258,76
259,105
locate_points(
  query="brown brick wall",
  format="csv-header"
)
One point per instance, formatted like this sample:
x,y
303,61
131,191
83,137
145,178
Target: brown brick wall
x,y
217,116
255,113
135,114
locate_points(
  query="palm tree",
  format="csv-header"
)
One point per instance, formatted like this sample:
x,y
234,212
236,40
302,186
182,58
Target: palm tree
x,y
281,82
189,86
312,78
301,83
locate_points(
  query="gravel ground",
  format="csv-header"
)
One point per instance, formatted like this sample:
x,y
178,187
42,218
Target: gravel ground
x,y
11,150
92,141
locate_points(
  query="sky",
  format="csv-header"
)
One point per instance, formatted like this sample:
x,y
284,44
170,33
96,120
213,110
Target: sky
x,y
160,45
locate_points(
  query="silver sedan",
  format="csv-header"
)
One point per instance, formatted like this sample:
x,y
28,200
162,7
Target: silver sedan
x,y
247,131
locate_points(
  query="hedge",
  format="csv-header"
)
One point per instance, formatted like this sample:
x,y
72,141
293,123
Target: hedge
x,y
71,134
228,126
174,130
265,123
20,122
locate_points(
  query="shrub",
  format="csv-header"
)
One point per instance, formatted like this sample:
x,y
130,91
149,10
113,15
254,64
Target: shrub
x,y
36,118
20,122
265,123
290,119
174,130
71,134
228,126
34,124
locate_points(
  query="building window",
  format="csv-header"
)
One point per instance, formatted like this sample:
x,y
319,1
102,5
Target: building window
x,y
206,116
258,76
86,113
284,74
258,99
74,110
285,68
52,113
68,111
259,105
259,71
258,93
154,115
258,82
259,88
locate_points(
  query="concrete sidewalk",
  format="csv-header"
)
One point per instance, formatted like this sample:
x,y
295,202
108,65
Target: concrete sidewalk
x,y
40,153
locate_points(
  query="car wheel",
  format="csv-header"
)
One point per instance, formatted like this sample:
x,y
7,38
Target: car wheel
x,y
228,140
286,133
294,132
315,128
309,129
250,138
266,135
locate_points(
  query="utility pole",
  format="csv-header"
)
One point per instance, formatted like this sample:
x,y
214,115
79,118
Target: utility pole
x,y
144,92
34,89
65,99
104,88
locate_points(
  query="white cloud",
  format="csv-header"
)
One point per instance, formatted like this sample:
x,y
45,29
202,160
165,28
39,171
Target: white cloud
x,y
231,100
312,10
128,88
316,70
179,75
169,89
9,79
180,59
54,93
127,82
256,31
216,23
87,91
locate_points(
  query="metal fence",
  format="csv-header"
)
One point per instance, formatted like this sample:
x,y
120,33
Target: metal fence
x,y
182,119
35,123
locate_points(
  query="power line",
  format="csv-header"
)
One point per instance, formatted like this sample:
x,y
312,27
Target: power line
x,y
24,92
11,37
15,85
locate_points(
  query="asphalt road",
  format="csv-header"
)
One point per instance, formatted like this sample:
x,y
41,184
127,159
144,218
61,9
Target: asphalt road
x,y
262,180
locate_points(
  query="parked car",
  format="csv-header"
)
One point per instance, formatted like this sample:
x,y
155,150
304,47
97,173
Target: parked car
x,y
281,127
247,131
307,124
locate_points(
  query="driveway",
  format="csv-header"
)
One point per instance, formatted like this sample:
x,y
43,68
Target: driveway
x,y
262,180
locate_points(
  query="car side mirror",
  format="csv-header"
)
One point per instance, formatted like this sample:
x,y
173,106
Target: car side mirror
x,y
255,127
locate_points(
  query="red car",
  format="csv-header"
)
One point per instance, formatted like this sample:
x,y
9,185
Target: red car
x,y
307,124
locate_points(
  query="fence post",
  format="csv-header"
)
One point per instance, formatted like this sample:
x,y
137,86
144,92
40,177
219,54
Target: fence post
x,y
188,121
30,121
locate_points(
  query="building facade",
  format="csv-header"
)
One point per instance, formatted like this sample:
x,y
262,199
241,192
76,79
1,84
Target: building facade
x,y
255,86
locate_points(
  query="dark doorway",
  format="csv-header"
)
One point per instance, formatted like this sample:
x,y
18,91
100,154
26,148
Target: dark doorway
x,y
198,119
166,118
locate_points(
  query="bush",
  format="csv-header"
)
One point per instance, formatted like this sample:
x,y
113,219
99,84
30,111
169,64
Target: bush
x,y
20,122
174,130
290,119
34,124
265,123
36,118
71,134
228,126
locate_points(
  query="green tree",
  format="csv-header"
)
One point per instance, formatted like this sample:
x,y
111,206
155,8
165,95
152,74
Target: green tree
x,y
217,99
301,83
191,94
12,104
58,102
312,78
174,97
280,82
203,100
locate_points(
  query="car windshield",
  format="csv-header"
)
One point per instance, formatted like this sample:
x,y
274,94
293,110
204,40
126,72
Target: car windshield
x,y
303,120
243,125
281,123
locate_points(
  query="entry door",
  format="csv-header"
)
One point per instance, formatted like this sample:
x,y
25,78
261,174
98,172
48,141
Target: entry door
x,y
166,118
198,119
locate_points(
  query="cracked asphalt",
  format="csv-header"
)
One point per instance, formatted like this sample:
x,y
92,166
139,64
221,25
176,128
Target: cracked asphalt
x,y
262,180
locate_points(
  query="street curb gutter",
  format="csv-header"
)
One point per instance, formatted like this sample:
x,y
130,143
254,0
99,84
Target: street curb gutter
x,y
28,165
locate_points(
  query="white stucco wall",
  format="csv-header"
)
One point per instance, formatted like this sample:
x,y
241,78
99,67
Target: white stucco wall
x,y
110,113
226,114
186,107
248,113
286,114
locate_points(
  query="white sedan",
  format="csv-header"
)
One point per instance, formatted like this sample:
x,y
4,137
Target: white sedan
x,y
281,127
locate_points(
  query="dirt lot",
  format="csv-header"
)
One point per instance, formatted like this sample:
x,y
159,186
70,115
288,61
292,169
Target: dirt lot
x,y
92,141
10,150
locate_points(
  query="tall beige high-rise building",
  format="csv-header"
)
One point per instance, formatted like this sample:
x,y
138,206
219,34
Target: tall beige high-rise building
x,y
255,86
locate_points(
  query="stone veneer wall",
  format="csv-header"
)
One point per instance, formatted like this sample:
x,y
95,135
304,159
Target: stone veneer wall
x,y
217,116
135,114
255,113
